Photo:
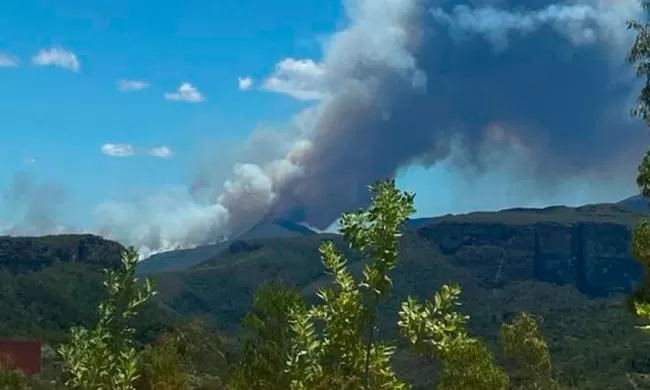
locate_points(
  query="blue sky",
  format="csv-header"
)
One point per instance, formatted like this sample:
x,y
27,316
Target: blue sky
x,y
60,118
86,80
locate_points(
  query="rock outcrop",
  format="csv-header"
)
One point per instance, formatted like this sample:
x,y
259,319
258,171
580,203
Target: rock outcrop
x,y
27,254
587,246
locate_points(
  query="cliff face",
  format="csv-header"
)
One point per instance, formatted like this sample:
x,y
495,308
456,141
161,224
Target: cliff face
x,y
27,254
586,246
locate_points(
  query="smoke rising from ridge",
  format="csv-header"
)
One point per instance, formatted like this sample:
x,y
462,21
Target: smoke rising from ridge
x,y
549,80
31,207
408,81
419,82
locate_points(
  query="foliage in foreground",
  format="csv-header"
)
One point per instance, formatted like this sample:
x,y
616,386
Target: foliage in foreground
x,y
334,344
191,357
639,57
290,345
346,354
268,339
525,346
436,330
104,357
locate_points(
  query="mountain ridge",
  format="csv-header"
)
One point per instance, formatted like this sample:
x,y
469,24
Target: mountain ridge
x,y
183,259
570,265
636,202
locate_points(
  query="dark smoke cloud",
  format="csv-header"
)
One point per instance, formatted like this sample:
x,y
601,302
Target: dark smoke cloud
x,y
548,79
532,83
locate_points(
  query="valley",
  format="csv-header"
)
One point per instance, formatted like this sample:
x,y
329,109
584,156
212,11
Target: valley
x,y
570,266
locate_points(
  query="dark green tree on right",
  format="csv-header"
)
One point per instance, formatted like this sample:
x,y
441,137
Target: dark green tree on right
x,y
639,57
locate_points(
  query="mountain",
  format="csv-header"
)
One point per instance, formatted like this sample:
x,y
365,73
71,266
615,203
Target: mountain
x,y
277,228
587,246
179,260
50,283
637,202
19,255
569,265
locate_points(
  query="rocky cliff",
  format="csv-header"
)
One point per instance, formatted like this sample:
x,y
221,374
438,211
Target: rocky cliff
x,y
27,254
586,246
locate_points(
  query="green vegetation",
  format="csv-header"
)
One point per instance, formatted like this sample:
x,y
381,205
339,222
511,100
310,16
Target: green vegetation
x,y
42,278
530,319
104,357
639,56
525,346
268,339
289,344
436,330
190,357
593,341
341,357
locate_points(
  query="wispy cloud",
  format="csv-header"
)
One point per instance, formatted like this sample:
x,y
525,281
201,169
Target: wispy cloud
x,y
132,85
245,83
162,152
186,92
57,56
8,61
300,79
118,150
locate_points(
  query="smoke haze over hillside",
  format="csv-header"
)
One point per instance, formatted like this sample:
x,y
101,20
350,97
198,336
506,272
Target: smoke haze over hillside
x,y
475,85
33,207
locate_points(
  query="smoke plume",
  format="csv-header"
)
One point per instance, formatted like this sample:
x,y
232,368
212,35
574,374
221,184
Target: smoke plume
x,y
421,82
30,207
410,80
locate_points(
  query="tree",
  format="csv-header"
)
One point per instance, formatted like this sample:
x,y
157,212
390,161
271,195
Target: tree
x,y
525,346
268,340
161,366
435,330
11,378
188,357
639,300
346,354
202,350
639,57
104,357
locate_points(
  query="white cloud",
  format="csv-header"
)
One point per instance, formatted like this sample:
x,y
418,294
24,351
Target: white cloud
x,y
186,92
8,61
162,152
245,83
132,85
57,56
118,150
300,79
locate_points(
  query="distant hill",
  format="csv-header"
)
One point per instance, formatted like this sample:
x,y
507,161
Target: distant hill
x,y
50,283
19,255
178,260
569,265
183,259
584,247
414,223
637,202
277,228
